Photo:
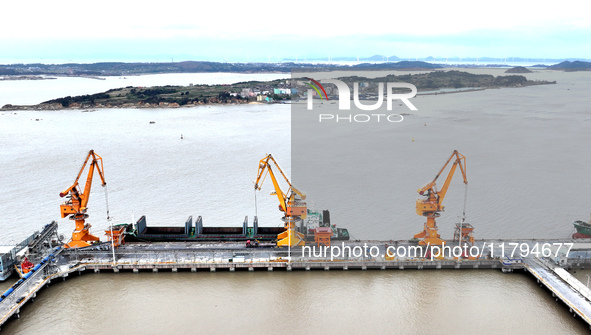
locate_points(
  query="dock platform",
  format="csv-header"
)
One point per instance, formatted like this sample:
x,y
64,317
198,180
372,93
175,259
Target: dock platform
x,y
563,285
235,257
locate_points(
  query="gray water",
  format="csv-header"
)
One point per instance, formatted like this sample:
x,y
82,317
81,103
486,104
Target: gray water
x,y
528,167
527,155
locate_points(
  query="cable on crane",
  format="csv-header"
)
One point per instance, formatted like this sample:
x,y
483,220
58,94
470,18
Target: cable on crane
x,y
107,200
256,214
465,201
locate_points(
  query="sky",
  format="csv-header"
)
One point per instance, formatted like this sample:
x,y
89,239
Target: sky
x,y
112,30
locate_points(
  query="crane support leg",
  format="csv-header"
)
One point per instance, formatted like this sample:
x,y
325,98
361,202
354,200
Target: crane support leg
x,y
429,235
81,237
290,237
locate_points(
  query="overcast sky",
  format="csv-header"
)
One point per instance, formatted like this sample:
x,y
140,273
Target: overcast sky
x,y
246,30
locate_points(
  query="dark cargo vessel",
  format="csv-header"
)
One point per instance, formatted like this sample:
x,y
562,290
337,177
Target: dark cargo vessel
x,y
141,232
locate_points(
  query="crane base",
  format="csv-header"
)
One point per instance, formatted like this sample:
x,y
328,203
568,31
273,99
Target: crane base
x,y
81,239
290,237
420,235
76,244
432,241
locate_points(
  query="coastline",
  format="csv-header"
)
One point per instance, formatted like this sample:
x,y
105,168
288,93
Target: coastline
x,y
54,107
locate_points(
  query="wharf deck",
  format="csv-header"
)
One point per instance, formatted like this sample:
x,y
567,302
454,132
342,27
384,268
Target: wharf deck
x,y
234,257
563,285
11,305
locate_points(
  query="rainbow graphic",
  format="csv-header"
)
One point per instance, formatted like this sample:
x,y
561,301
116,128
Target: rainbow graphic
x,y
316,88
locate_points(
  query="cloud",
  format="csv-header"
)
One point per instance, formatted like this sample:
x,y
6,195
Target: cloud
x,y
285,29
181,18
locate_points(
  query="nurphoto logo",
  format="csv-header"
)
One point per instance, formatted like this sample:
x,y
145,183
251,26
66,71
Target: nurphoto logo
x,y
344,98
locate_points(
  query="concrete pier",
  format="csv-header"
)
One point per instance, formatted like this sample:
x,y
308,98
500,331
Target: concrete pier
x,y
563,285
173,257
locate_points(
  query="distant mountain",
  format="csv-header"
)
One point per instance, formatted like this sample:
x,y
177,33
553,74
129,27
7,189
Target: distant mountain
x,y
376,58
406,65
572,66
120,68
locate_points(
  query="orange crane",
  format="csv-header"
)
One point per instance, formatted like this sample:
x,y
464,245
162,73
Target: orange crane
x,y
75,206
290,203
431,206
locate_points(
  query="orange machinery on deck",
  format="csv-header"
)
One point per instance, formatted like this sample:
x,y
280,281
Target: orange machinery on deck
x,y
463,233
75,207
115,235
431,207
322,235
291,203
26,266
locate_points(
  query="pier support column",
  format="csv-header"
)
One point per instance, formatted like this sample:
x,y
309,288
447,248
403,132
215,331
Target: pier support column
x,y
401,267
193,269
289,268
307,268
438,267
345,268
135,270
363,267
155,270
250,269
212,269
97,270
270,269
326,268
232,269
174,270
383,267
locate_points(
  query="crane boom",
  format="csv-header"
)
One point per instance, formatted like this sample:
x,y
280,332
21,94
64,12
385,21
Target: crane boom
x,y
264,170
432,205
461,162
290,202
76,206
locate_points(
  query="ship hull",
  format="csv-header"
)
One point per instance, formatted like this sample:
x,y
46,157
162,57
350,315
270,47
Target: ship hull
x,y
583,229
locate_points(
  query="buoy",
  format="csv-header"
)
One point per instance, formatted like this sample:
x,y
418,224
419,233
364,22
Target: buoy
x,y
413,139
181,136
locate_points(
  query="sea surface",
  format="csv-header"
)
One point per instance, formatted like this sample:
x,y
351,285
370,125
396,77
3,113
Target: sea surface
x,y
528,167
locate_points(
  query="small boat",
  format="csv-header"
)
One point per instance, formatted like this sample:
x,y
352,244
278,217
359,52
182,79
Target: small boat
x,y
583,229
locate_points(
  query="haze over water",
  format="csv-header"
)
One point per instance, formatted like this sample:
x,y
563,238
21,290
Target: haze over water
x,y
528,171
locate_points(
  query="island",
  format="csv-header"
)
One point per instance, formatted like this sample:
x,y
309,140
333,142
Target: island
x,y
572,66
271,91
518,69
